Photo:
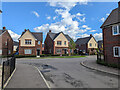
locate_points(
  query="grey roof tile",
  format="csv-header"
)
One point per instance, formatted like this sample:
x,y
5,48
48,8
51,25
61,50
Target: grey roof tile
x,y
81,41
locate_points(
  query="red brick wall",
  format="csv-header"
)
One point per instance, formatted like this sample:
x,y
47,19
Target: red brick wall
x,y
34,48
109,41
6,37
48,44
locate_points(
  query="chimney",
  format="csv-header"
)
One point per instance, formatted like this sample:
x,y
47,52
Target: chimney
x,y
49,30
90,35
119,4
4,28
25,30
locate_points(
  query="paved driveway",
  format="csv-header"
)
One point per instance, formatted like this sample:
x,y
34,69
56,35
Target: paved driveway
x,y
68,73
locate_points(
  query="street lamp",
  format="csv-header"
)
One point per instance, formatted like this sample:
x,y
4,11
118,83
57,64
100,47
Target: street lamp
x,y
0,11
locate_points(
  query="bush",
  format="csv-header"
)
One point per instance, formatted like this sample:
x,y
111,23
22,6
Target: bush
x,y
109,65
24,56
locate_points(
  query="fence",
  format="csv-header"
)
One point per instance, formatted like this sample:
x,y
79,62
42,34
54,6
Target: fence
x,y
100,56
7,69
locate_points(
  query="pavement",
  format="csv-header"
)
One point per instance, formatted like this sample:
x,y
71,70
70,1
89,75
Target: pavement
x,y
91,64
26,76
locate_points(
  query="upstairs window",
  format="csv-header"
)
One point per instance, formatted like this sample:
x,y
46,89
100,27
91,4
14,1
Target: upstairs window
x,y
27,41
59,43
90,44
116,29
64,42
116,51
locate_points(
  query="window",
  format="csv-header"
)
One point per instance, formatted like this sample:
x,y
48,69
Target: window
x,y
27,41
38,42
95,45
116,29
90,44
0,51
28,51
59,42
59,51
9,52
64,42
116,51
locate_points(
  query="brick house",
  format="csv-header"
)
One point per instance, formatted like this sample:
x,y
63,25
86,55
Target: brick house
x,y
86,45
30,43
6,42
57,43
111,37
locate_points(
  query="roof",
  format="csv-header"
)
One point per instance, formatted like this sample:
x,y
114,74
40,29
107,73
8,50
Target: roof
x,y
37,35
16,43
2,31
81,41
54,35
112,18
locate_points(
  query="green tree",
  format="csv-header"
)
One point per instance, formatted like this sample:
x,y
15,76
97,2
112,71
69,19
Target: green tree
x,y
72,45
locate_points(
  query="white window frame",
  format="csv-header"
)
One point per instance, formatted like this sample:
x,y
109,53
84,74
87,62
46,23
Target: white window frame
x,y
28,42
29,51
60,51
118,51
117,29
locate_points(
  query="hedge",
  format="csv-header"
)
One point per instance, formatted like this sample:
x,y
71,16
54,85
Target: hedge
x,y
102,62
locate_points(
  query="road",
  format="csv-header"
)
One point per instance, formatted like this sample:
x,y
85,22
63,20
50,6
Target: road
x,y
68,73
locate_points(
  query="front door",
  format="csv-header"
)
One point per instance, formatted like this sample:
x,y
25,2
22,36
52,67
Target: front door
x,y
38,52
65,50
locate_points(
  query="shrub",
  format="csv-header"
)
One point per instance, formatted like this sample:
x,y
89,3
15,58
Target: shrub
x,y
24,56
102,62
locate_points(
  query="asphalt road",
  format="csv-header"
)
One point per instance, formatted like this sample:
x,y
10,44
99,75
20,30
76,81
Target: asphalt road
x,y
68,73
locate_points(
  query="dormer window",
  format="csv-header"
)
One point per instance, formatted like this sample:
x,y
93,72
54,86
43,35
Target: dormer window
x,y
28,42
116,29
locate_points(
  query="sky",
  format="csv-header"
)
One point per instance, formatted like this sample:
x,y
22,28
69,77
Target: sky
x,y
77,19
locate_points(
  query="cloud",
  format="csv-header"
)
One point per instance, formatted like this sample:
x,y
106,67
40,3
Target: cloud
x,y
107,14
14,35
34,12
48,17
93,31
97,36
54,17
79,14
68,23
102,19
86,27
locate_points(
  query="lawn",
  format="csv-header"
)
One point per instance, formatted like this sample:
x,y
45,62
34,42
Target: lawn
x,y
56,57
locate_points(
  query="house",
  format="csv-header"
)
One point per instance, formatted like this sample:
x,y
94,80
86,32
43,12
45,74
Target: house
x,y
6,42
111,37
100,45
15,46
86,45
30,43
57,43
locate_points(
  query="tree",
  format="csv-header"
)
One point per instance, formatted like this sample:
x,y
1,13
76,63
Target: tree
x,y
72,45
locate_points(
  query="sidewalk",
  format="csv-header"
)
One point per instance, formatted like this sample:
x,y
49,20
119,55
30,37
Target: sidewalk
x,y
26,76
93,65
